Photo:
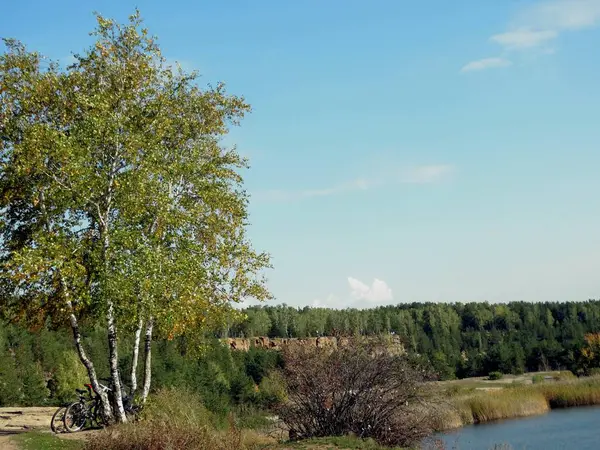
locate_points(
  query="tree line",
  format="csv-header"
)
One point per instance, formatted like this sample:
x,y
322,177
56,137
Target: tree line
x,y
459,339
41,367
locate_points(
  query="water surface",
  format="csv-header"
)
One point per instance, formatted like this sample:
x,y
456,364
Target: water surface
x,y
571,428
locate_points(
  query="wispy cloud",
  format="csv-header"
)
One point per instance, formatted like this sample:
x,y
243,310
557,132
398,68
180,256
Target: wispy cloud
x,y
523,38
486,63
538,26
561,15
426,174
412,175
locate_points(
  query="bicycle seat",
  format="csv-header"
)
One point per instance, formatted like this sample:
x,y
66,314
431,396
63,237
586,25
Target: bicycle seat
x,y
81,391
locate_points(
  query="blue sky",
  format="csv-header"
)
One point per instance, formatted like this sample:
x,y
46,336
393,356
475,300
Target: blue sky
x,y
401,151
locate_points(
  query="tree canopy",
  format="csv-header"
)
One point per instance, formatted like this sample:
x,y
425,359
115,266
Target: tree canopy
x,y
460,339
118,199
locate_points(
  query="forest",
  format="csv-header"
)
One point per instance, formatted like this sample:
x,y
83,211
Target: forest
x,y
457,340
460,339
42,368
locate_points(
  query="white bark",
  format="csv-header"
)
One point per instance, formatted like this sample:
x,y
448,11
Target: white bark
x,y
113,351
106,407
134,362
88,364
113,357
148,359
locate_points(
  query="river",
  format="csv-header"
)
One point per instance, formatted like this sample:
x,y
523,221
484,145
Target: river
x,y
570,428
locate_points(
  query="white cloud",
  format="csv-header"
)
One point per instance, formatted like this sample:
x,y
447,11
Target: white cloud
x,y
378,292
417,174
523,38
562,15
361,296
330,302
536,26
486,63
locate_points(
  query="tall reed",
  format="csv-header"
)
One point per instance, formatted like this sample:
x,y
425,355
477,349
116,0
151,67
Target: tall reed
x,y
478,406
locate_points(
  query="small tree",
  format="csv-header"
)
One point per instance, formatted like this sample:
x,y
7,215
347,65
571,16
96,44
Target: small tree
x,y
362,389
118,202
590,353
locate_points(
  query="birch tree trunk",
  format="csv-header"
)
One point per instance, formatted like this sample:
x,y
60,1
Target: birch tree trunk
x,y
134,361
85,360
113,357
113,350
89,365
148,359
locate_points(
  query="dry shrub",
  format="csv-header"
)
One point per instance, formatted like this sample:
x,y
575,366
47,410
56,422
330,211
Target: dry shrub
x,y
362,390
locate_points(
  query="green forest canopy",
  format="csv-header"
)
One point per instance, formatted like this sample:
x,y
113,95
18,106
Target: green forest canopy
x,y
460,339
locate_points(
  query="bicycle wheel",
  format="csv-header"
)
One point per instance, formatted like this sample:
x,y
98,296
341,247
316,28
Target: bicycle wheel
x,y
75,417
97,417
57,424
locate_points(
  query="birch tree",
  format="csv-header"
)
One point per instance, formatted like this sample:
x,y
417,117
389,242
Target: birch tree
x,y
118,201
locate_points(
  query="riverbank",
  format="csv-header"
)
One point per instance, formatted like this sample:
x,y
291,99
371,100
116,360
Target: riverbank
x,y
468,404
559,429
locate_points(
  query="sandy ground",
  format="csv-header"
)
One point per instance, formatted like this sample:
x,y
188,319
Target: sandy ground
x,y
484,384
5,442
14,420
18,420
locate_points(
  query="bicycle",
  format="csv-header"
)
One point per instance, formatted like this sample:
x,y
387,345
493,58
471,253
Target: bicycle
x,y
132,411
87,409
57,424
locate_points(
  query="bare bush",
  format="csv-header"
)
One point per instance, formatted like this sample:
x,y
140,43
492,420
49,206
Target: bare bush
x,y
362,389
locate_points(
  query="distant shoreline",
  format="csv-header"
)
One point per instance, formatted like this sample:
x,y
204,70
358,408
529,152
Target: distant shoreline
x,y
470,403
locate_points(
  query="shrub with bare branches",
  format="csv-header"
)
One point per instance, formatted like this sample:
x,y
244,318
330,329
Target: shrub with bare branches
x,y
362,389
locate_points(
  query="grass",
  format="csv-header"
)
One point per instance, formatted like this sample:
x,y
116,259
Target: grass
x,y
158,436
469,405
337,443
37,440
176,419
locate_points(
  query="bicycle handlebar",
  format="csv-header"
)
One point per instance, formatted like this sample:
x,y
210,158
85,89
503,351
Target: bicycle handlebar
x,y
90,389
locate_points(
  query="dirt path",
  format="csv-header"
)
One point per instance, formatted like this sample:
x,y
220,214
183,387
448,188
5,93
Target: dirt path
x,y
17,420
5,441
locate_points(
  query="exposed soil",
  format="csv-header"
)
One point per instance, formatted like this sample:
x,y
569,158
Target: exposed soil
x,y
6,443
14,420
18,419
